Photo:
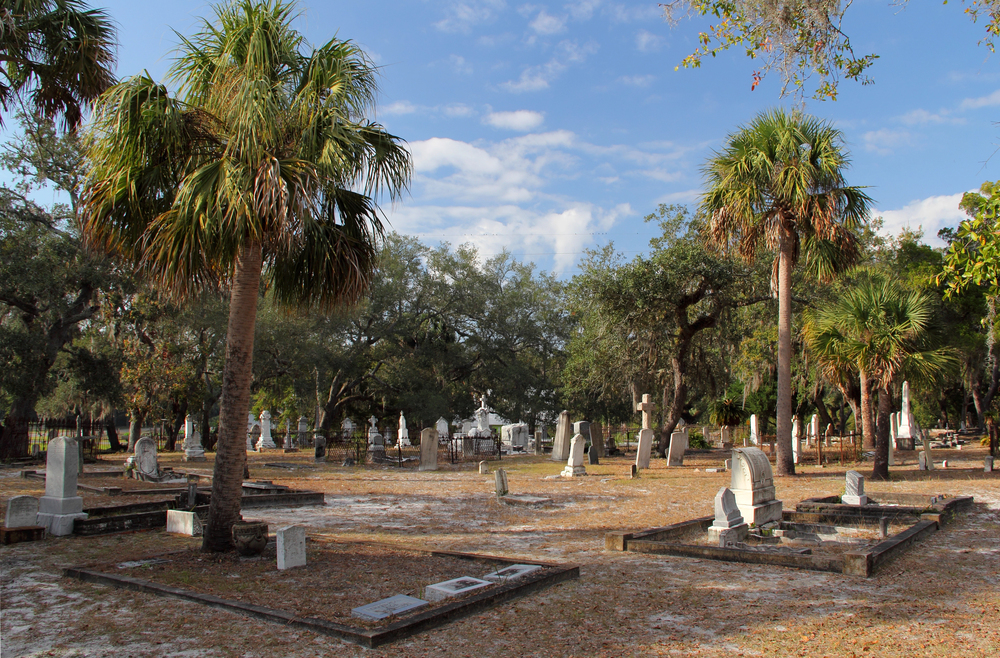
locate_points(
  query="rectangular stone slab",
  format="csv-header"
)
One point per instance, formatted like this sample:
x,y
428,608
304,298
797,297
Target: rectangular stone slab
x,y
511,572
454,587
393,605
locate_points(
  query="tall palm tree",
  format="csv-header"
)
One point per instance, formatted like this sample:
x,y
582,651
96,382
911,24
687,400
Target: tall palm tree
x,y
778,183
58,53
266,170
883,330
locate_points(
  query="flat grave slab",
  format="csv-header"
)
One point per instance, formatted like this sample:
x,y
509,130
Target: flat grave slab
x,y
511,572
454,587
394,605
363,573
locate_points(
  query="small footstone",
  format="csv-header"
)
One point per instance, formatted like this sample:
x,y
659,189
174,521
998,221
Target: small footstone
x,y
291,542
394,605
454,587
183,523
484,468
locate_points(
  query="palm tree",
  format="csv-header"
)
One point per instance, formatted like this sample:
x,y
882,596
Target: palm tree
x,y
267,170
58,53
883,330
779,184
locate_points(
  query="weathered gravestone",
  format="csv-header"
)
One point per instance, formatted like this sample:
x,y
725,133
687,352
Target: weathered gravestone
x,y
501,482
988,465
429,449
539,449
454,587
678,446
147,468
402,434
574,464
854,491
906,429
442,429
796,440
729,527
266,442
560,447
60,505
484,468
193,451
645,446
814,429
510,573
291,544
320,451
184,523
753,485
922,461
22,512
394,605
597,441
926,453
754,436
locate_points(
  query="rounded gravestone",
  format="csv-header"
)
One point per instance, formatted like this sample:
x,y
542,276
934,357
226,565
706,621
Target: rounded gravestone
x,y
145,456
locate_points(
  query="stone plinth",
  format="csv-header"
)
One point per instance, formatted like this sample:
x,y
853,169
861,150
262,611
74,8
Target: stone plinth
x,y
60,505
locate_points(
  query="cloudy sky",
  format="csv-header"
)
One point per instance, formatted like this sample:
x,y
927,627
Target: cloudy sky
x,y
549,128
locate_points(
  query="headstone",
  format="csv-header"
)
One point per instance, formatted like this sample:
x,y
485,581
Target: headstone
x,y
394,605
988,465
291,544
560,447
539,443
442,429
645,446
454,587
22,512
467,427
634,470
320,450
728,465
251,422
346,426
574,464
753,485
484,468
796,440
184,523
402,434
253,437
514,436
428,449
501,482
854,492
829,435
906,429
814,429
303,429
147,466
754,435
265,442
922,461
597,441
729,526
927,451
510,573
678,445
193,452
192,493
60,505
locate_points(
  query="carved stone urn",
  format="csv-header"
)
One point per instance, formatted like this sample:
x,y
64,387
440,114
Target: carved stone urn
x,y
250,537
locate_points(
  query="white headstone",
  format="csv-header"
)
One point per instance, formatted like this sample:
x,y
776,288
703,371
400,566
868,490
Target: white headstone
x,y
442,429
814,429
145,459
193,451
729,526
678,446
754,433
291,544
501,482
560,447
796,440
574,464
988,464
510,573
184,523
60,505
854,492
753,485
644,449
906,428
346,426
429,449
454,587
265,442
22,512
402,434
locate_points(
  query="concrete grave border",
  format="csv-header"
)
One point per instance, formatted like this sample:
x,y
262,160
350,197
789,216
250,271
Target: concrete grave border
x,y
366,637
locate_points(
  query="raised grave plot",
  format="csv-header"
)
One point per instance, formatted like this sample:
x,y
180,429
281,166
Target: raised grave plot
x,y
819,536
337,580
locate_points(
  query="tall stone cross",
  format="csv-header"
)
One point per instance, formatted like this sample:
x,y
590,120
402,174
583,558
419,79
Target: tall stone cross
x,y
646,407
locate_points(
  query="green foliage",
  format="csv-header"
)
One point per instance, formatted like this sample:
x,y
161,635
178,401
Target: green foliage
x,y
973,258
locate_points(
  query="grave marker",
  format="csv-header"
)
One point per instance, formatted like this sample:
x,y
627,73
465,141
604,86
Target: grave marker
x,y
728,526
678,446
511,572
854,493
22,512
645,446
754,436
193,452
184,523
796,440
560,447
429,449
597,442
265,442
753,486
60,505
454,587
988,465
574,464
291,542
501,483
394,605
320,451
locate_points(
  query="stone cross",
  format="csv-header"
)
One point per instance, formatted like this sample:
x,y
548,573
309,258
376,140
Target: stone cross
x,y
372,421
646,407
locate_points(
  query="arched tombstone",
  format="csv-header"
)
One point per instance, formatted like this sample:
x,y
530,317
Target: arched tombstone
x,y
442,429
753,485
146,464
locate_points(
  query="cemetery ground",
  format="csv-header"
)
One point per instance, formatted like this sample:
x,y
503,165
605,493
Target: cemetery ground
x,y
941,598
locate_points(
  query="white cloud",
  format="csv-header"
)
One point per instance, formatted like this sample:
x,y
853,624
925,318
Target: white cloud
x,y
519,120
536,78
460,65
647,42
885,141
399,107
583,10
930,214
684,196
458,110
921,117
546,23
644,12
637,80
463,15
983,101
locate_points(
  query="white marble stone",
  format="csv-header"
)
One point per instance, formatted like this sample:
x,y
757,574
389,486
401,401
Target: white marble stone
x,y
796,440
678,446
644,449
402,434
500,479
574,464
753,486
906,428
988,465
560,446
184,523
454,587
510,573
291,545
854,492
394,605
443,430
60,505
193,450
729,526
266,442
22,512
754,433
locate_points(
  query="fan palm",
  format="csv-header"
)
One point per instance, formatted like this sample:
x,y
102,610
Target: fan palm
x,y
883,330
58,53
266,170
778,184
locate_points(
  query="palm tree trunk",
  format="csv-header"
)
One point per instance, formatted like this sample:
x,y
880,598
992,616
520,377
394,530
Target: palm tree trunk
x,y
867,414
785,461
231,454
885,409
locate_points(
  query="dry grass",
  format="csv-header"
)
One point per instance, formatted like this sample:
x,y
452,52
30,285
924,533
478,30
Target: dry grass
x,y
940,599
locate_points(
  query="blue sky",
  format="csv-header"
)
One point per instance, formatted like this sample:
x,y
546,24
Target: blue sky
x,y
549,128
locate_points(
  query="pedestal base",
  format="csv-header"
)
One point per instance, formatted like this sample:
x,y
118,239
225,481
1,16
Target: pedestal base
x,y
763,513
59,525
854,500
194,455
725,536
573,471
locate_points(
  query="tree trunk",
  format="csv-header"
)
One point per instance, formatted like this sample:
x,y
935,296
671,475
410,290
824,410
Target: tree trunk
x,y
174,429
134,428
231,456
109,427
673,416
785,461
824,414
880,471
867,414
